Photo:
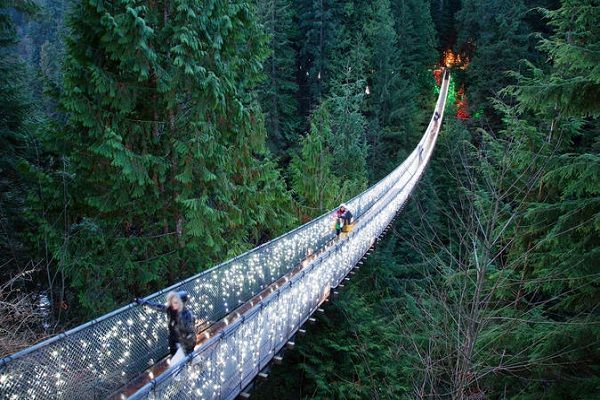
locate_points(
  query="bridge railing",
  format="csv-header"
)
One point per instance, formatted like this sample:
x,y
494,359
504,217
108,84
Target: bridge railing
x,y
95,359
223,366
226,364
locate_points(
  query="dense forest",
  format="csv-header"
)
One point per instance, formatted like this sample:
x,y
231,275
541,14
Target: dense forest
x,y
144,141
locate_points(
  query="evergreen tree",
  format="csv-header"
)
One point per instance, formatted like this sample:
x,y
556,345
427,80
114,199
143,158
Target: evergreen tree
x,y
443,15
517,292
20,319
574,50
556,244
416,33
397,80
348,123
382,43
331,165
313,181
489,285
552,256
167,144
499,36
16,128
278,92
41,43
319,23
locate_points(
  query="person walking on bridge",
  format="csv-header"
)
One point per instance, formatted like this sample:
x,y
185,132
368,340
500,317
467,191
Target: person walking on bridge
x,y
342,217
346,214
182,335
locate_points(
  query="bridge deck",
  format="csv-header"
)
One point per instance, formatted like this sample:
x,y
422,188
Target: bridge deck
x,y
277,285
205,333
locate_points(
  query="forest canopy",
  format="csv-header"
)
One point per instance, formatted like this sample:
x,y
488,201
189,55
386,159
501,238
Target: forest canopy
x,y
142,142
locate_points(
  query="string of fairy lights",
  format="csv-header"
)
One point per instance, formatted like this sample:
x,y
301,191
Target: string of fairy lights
x,y
223,368
96,359
278,316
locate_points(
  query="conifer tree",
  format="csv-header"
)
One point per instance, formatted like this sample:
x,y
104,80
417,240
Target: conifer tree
x,y
167,142
319,22
534,190
313,181
278,92
333,156
16,128
416,34
382,43
574,49
392,104
443,15
553,255
556,244
41,41
498,33
345,104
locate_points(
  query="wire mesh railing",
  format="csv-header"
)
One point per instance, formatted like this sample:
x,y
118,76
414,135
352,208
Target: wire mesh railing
x,y
223,366
95,359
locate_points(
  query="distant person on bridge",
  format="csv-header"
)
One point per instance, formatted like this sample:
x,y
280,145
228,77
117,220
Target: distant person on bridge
x,y
182,335
343,217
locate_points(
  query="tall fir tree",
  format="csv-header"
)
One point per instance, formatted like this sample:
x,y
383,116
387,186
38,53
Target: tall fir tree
x,y
278,94
574,50
555,123
443,15
17,113
319,23
552,248
416,33
398,76
332,160
167,143
345,104
382,43
499,36
41,44
316,187
514,272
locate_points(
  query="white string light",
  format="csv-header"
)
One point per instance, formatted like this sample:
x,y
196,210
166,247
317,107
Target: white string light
x,y
118,347
281,313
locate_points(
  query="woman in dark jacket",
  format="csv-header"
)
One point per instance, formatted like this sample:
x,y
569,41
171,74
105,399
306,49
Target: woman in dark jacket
x,y
181,321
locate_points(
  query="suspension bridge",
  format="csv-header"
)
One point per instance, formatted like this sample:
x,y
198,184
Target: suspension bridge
x,y
247,310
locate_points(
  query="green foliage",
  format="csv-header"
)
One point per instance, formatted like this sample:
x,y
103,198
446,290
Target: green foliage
x,y
492,278
497,34
510,309
574,51
160,168
400,41
382,43
278,93
331,166
320,25
167,144
313,180
348,123
551,268
415,31
443,15
17,124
